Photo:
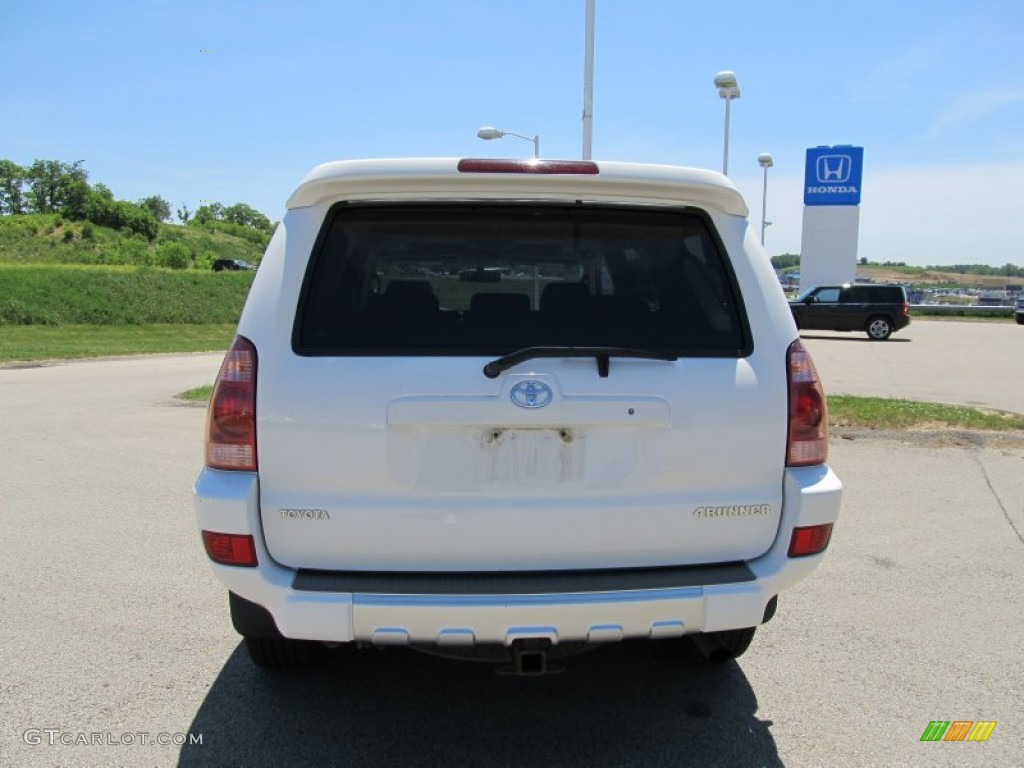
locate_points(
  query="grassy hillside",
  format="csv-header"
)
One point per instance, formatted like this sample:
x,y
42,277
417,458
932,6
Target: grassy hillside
x,y
50,239
59,294
46,342
924,277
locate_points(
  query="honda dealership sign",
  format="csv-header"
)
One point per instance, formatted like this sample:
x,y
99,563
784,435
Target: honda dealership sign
x,y
828,248
832,175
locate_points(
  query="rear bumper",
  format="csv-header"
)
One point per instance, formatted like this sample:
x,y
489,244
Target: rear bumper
x,y
456,609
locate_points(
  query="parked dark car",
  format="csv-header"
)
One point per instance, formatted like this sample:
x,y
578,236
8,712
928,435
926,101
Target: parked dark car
x,y
1018,310
878,310
232,264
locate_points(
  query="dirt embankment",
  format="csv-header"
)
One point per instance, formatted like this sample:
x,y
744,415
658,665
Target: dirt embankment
x,y
985,282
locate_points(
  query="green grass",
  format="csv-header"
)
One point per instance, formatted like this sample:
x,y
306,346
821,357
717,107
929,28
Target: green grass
x,y
884,413
198,394
38,342
60,294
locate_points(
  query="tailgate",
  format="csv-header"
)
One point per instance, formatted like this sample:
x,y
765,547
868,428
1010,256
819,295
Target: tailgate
x,y
660,463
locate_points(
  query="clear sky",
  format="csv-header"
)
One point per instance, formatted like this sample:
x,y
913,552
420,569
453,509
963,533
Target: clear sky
x,y
235,101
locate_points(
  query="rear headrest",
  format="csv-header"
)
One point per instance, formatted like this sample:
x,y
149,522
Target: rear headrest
x,y
499,304
412,294
559,298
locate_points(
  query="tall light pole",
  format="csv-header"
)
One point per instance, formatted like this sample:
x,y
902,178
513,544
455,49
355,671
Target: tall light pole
x,y
588,82
728,89
765,161
487,133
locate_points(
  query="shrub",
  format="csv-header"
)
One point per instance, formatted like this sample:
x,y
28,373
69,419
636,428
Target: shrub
x,y
173,255
121,214
88,230
129,249
204,260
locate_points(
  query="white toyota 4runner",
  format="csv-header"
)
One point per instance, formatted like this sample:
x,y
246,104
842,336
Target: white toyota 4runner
x,y
511,409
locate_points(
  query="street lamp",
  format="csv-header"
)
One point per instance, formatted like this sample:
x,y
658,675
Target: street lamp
x,y
765,161
588,81
728,89
487,133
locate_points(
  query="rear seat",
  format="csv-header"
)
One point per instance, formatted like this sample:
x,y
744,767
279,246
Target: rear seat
x,y
409,309
499,305
502,319
569,310
410,297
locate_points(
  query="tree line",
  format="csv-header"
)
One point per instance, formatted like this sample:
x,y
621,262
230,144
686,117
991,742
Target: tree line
x,y
52,186
792,260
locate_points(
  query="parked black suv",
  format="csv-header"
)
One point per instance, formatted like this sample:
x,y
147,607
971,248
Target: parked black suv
x,y
232,264
878,310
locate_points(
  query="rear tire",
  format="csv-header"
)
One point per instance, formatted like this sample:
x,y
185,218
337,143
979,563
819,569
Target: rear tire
x,y
713,647
735,641
879,328
1019,319
282,653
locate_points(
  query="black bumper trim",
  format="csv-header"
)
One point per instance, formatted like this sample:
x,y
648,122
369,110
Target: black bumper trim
x,y
520,582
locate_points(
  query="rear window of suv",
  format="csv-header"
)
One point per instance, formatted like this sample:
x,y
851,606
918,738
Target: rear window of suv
x,y
875,294
488,279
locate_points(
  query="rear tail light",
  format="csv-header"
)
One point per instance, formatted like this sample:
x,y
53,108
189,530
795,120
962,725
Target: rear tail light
x,y
906,309
569,167
807,442
231,414
230,548
810,540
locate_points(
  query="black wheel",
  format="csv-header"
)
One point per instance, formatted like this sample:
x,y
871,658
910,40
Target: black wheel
x,y
879,328
1019,319
282,653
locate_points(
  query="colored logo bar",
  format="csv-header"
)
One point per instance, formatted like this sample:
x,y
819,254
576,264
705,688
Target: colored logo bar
x,y
958,730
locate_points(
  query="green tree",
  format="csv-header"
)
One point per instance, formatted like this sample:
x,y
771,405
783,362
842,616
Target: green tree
x,y
246,216
184,214
786,260
101,208
207,213
12,179
103,191
158,208
76,202
51,182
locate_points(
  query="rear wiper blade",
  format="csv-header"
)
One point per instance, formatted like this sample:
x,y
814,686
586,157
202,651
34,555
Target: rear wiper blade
x,y
603,354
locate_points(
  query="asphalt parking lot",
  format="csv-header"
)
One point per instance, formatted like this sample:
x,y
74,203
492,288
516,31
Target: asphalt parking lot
x,y
943,361
112,624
